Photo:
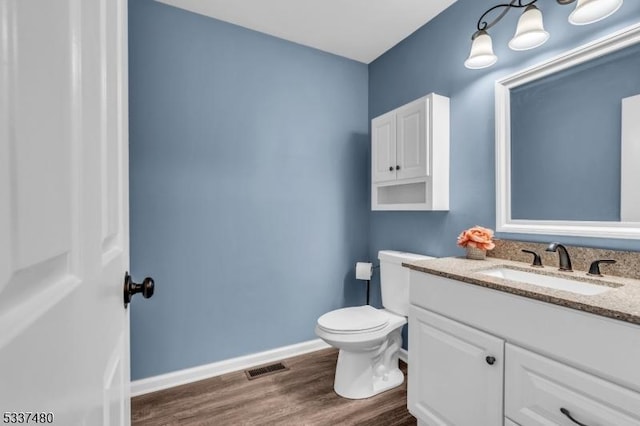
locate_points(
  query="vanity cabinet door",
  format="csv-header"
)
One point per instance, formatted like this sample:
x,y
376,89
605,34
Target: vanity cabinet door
x,y
455,372
538,388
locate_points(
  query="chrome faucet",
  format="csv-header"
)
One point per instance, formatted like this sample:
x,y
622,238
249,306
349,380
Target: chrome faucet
x,y
563,254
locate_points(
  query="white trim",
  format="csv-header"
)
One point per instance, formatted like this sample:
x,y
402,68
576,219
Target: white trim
x,y
403,355
504,223
189,375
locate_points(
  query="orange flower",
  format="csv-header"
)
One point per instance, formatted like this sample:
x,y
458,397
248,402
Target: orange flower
x,y
478,237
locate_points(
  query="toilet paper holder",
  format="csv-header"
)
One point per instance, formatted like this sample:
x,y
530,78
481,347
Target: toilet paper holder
x,y
365,269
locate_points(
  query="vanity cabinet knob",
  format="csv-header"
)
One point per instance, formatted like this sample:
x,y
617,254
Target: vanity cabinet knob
x,y
397,167
490,360
390,168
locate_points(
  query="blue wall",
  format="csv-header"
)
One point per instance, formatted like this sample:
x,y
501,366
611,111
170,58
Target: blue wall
x,y
248,187
565,140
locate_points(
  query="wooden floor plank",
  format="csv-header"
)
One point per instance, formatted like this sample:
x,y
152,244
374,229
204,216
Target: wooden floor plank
x,y
302,395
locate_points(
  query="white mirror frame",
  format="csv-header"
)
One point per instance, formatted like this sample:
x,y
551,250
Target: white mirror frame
x,y
504,223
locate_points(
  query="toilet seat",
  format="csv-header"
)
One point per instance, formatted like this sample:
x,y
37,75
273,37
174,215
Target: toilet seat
x,y
355,320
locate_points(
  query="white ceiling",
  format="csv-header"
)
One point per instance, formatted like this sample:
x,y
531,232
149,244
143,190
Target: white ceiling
x,y
357,29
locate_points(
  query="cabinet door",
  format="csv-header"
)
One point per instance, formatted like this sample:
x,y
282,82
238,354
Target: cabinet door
x,y
541,391
452,379
412,147
383,147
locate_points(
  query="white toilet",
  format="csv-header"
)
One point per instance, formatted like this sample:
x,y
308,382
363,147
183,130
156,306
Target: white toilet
x,y
368,338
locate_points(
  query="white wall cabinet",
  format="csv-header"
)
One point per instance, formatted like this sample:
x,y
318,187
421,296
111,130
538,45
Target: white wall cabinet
x,y
551,363
410,156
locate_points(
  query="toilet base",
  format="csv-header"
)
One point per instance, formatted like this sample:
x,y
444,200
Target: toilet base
x,y
394,379
365,373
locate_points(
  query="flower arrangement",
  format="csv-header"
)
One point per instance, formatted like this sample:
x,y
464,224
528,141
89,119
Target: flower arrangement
x,y
477,241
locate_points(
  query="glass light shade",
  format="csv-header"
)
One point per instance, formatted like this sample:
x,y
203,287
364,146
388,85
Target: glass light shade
x,y
530,31
590,11
481,55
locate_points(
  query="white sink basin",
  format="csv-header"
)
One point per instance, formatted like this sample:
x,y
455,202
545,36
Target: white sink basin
x,y
548,281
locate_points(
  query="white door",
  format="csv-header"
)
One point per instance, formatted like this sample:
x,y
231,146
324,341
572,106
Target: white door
x,y
455,372
383,147
412,147
64,339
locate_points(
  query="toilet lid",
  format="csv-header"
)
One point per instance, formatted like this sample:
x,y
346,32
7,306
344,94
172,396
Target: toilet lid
x,y
353,320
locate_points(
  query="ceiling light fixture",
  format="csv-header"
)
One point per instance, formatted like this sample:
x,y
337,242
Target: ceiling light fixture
x,y
530,32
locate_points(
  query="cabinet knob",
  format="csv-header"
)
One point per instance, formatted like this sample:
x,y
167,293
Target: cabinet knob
x,y
490,360
397,167
568,414
390,168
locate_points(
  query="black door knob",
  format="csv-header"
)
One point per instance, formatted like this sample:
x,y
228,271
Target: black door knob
x,y
397,167
390,168
490,360
131,288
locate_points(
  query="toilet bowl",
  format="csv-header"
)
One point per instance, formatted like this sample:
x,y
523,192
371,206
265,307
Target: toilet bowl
x,y
370,339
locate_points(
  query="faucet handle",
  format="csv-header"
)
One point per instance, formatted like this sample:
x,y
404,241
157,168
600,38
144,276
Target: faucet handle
x,y
594,269
537,261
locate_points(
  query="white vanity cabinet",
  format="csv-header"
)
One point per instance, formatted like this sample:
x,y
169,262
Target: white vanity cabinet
x,y
551,362
410,156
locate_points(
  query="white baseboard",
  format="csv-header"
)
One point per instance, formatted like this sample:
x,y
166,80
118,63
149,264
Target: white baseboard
x,y
404,355
189,375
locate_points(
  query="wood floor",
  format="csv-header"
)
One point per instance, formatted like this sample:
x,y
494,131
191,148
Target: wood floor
x,y
303,395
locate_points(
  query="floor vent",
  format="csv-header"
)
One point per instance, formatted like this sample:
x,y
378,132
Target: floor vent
x,y
265,370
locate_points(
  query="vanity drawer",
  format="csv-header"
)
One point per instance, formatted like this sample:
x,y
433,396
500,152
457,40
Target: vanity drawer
x,y
536,388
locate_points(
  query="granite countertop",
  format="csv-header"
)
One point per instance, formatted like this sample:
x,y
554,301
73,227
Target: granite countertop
x,y
622,302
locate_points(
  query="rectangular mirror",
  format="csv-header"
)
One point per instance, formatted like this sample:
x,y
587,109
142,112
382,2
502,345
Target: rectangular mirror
x,y
567,137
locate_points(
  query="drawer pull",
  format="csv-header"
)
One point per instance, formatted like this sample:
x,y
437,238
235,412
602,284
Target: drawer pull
x,y
490,360
568,414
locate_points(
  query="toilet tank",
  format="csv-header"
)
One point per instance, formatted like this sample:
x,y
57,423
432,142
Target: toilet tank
x,y
394,279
